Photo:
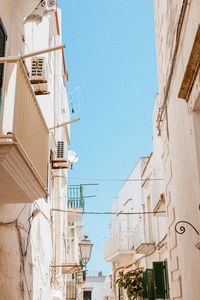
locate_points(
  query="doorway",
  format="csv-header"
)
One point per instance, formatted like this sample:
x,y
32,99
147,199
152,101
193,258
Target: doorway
x,y
87,295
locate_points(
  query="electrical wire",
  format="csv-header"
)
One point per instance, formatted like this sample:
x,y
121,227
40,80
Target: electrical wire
x,y
107,213
124,180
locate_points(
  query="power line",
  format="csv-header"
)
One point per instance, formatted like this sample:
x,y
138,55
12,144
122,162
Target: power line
x,y
98,179
107,213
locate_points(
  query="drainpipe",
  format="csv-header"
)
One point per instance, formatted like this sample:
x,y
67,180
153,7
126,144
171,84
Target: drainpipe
x,y
58,197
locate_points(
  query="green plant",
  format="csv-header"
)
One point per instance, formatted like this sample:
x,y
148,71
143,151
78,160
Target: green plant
x,y
132,283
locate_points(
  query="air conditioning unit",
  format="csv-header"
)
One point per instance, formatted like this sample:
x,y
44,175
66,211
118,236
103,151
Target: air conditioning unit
x,y
60,160
38,76
38,69
51,6
61,151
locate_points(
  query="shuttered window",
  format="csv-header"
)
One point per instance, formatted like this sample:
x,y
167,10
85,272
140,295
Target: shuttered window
x,y
161,281
148,285
144,283
167,295
3,38
158,276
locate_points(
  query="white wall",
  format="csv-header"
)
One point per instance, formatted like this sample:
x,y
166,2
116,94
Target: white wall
x,y
30,245
180,143
100,287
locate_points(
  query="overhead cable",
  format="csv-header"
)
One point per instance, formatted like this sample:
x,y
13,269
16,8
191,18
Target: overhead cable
x,y
98,179
106,213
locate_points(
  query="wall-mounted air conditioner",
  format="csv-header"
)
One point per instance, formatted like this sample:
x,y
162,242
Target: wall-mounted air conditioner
x,y
61,151
38,75
60,160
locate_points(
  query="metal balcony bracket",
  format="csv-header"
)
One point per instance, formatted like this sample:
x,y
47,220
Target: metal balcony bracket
x,y
181,229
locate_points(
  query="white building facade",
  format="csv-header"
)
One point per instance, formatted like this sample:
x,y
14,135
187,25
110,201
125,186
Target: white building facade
x,y
96,288
38,254
177,120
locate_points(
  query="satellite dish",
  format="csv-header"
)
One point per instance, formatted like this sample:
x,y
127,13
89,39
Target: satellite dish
x,y
72,156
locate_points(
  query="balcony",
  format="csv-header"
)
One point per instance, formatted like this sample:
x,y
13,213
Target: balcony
x,y
23,140
75,203
141,244
70,268
120,244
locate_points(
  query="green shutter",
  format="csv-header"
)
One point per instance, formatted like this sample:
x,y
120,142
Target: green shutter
x,y
148,285
119,293
158,276
166,279
150,292
144,283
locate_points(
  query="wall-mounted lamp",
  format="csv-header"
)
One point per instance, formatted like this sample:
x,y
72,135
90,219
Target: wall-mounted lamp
x,y
85,247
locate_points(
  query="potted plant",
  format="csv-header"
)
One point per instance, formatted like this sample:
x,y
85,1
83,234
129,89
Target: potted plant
x,y
132,283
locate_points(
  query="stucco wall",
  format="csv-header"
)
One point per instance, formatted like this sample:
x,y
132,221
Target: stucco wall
x,y
29,245
179,148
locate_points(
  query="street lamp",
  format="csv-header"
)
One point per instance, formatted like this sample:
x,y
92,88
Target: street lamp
x,y
85,247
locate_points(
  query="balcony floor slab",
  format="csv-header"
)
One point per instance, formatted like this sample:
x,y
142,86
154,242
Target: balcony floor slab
x,y
19,183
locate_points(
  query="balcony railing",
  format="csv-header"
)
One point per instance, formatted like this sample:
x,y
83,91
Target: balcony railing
x,y
141,245
71,290
80,277
119,244
24,140
75,197
75,202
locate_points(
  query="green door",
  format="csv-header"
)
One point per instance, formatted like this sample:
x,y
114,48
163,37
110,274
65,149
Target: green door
x,y
87,295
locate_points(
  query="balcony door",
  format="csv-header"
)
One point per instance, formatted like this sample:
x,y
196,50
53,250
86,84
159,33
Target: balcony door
x,y
3,38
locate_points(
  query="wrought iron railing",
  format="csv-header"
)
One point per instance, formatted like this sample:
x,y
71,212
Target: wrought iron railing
x,y
75,197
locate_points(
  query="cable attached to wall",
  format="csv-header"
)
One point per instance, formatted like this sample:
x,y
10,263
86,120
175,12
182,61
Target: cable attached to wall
x,y
107,213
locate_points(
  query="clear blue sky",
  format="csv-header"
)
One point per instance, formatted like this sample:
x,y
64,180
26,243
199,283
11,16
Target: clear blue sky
x,y
110,54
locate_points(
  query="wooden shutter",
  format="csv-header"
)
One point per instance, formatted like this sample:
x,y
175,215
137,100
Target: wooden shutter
x,y
158,276
144,283
148,285
150,292
167,295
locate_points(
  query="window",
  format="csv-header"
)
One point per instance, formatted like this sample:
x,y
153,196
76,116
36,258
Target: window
x,y
161,282
3,38
148,284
